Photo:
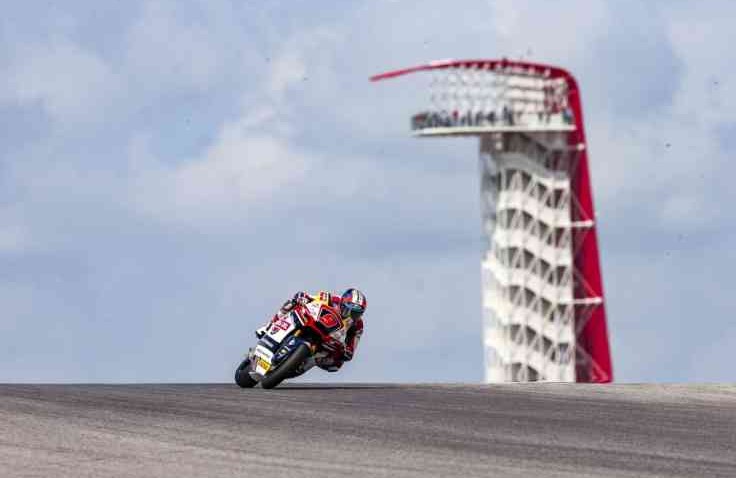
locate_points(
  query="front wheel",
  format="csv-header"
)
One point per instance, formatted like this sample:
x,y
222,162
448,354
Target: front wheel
x,y
242,378
287,367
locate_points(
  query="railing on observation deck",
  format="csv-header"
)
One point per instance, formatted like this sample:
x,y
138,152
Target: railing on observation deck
x,y
443,122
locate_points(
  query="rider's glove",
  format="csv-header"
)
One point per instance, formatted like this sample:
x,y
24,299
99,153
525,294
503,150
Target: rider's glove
x,y
301,298
288,305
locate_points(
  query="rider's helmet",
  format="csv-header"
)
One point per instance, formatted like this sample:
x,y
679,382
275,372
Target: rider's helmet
x,y
352,304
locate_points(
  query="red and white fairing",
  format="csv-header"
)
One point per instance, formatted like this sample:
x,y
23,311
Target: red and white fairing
x,y
543,304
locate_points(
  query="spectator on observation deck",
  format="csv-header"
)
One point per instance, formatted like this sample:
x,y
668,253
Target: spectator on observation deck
x,y
492,117
479,117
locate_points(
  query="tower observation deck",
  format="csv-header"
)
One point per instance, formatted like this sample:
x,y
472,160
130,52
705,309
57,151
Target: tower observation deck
x,y
542,294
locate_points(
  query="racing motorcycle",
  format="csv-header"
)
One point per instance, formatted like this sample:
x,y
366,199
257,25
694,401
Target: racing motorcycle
x,y
306,332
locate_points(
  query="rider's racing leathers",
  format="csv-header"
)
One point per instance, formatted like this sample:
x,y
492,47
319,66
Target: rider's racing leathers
x,y
331,362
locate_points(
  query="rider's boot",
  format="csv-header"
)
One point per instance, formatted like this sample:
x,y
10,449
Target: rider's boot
x,y
329,363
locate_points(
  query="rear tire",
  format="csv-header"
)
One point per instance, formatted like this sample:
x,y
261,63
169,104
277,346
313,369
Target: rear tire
x,y
242,378
287,368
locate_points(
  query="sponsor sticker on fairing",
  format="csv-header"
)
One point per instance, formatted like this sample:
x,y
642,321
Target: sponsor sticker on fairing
x,y
262,357
263,352
262,366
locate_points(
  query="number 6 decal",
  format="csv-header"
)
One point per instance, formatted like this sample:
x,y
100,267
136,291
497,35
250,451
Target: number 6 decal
x,y
329,320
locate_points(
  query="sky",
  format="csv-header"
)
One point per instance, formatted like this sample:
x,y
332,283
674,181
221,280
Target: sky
x,y
170,172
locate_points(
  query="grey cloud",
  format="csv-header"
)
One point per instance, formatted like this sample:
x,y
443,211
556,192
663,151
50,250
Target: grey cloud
x,y
669,309
727,137
642,72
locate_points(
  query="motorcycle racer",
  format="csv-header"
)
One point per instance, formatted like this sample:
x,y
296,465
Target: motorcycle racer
x,y
350,307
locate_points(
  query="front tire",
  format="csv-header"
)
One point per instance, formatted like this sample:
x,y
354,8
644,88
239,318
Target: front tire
x,y
242,378
287,368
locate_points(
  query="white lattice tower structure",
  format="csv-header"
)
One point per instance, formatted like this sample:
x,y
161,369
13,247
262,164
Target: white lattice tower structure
x,y
542,296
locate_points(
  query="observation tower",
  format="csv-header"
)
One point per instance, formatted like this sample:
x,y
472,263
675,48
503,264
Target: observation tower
x,y
544,317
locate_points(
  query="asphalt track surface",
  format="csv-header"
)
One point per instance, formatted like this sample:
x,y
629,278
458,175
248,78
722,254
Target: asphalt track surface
x,y
538,430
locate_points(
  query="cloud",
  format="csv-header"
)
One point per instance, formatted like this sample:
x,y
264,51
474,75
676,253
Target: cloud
x,y
13,239
548,32
287,69
636,35
71,83
701,38
713,361
168,47
239,173
685,210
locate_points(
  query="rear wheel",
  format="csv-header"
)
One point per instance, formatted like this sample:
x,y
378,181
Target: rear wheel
x,y
241,375
287,367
